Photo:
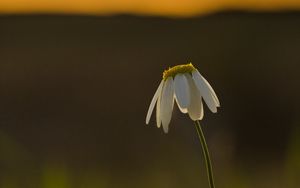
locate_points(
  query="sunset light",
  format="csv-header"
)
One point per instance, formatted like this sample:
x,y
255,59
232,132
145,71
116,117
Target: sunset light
x,y
143,7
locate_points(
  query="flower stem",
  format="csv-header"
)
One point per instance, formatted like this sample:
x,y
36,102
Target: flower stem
x,y
206,154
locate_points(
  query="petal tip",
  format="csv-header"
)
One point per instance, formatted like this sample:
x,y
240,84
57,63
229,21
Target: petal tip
x,y
166,130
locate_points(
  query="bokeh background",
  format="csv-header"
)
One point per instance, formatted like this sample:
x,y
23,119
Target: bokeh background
x,y
75,85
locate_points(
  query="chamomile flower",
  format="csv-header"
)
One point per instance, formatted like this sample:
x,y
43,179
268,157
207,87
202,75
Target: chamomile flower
x,y
184,85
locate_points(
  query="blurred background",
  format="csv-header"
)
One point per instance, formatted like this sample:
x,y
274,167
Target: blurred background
x,y
76,80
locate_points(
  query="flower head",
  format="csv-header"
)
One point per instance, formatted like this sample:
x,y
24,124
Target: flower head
x,y
185,85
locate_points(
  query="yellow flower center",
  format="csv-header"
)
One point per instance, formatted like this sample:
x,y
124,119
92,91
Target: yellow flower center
x,y
172,71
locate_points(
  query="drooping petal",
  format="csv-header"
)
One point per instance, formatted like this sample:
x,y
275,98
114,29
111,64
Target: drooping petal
x,y
195,109
153,101
212,92
205,91
183,110
158,106
181,92
167,103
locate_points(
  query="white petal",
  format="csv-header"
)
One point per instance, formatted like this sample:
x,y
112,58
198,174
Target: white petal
x,y
167,103
205,92
213,93
183,110
153,101
158,106
195,109
182,92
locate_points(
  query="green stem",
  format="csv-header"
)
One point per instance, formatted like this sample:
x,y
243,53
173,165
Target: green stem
x,y
206,155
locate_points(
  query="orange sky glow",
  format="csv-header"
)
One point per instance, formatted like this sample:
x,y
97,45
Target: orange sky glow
x,y
146,7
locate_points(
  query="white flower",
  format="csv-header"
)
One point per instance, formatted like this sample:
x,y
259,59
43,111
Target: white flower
x,y
187,86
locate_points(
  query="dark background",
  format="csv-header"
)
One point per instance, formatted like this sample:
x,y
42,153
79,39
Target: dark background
x,y
74,92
